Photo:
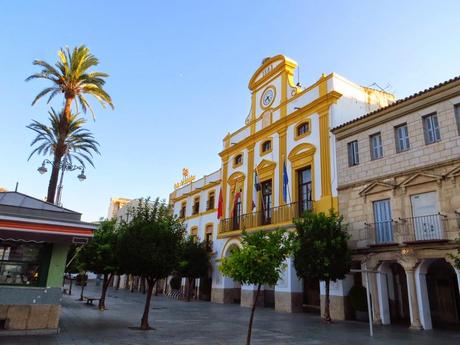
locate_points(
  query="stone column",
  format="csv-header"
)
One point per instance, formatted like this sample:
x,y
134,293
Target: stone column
x,y
410,267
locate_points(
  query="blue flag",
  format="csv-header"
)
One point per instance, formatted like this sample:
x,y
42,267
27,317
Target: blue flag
x,y
285,182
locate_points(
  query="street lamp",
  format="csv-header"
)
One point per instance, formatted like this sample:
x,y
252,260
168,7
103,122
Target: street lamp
x,y
64,166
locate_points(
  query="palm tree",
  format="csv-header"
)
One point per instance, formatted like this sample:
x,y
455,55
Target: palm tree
x,y
65,139
71,77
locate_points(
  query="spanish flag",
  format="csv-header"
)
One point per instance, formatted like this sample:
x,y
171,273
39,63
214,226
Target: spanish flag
x,y
220,205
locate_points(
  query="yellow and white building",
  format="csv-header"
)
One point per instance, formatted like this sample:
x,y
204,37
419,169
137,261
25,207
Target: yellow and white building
x,y
286,144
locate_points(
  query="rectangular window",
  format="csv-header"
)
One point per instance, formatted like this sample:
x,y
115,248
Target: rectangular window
x,y
383,221
353,156
431,128
376,146
402,138
304,190
182,210
266,202
457,116
196,206
22,263
210,205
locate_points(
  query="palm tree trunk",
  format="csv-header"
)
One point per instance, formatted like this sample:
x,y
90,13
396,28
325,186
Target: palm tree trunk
x,y
54,177
145,317
67,107
248,339
327,313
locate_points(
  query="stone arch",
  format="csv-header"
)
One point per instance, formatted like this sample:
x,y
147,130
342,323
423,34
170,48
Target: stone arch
x,y
443,294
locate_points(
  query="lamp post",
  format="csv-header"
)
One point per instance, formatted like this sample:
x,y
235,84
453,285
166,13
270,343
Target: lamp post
x,y
64,166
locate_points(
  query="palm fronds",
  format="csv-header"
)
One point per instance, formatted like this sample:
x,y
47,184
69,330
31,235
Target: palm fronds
x,y
71,76
65,135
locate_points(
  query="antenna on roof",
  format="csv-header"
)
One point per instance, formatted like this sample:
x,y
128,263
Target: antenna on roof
x,y
383,89
16,188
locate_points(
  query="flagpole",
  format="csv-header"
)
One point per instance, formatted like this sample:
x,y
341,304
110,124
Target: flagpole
x,y
287,184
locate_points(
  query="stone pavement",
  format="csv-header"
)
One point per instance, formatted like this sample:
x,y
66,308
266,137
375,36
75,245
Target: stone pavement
x,y
178,322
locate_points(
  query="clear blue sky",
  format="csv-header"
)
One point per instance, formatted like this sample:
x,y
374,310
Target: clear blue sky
x,y
179,72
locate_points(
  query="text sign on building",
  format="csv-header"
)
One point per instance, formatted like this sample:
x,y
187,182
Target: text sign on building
x,y
186,179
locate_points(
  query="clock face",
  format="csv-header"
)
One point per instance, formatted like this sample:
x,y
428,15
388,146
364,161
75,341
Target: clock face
x,y
268,96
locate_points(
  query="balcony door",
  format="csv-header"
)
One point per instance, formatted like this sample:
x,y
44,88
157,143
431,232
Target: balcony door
x,y
426,222
266,202
304,190
236,212
383,222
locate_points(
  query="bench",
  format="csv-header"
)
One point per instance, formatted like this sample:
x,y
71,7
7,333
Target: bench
x,y
90,300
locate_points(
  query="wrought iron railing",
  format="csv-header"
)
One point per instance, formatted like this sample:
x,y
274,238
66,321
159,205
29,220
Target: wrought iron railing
x,y
382,232
274,215
425,228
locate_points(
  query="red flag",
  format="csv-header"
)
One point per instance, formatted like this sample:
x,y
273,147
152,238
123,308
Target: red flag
x,y
235,201
219,205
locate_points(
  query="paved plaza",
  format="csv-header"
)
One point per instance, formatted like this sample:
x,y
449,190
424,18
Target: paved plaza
x,y
178,322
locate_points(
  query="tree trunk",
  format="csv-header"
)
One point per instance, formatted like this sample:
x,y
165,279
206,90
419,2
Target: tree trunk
x,y
189,290
70,285
248,339
105,286
327,313
67,109
145,317
82,284
54,176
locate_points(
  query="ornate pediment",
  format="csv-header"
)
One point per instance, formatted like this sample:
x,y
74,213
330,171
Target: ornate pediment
x,y
302,154
377,187
420,178
265,169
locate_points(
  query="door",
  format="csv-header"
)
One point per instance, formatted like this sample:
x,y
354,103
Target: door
x,y
304,190
426,220
383,222
266,202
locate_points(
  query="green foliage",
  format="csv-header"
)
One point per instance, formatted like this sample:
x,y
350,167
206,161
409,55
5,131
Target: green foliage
x,y
99,255
71,76
194,259
150,241
66,136
321,250
261,258
358,298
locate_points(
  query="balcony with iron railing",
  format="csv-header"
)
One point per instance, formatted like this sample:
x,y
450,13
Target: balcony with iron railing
x,y
431,228
275,215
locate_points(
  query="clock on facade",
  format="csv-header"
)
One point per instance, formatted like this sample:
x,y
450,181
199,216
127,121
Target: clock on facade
x,y
268,97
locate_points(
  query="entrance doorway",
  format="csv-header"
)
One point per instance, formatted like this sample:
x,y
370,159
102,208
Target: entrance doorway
x,y
443,295
311,296
398,297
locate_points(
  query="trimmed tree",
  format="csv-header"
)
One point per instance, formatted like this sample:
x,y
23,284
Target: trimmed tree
x,y
99,256
194,262
321,250
149,245
260,261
